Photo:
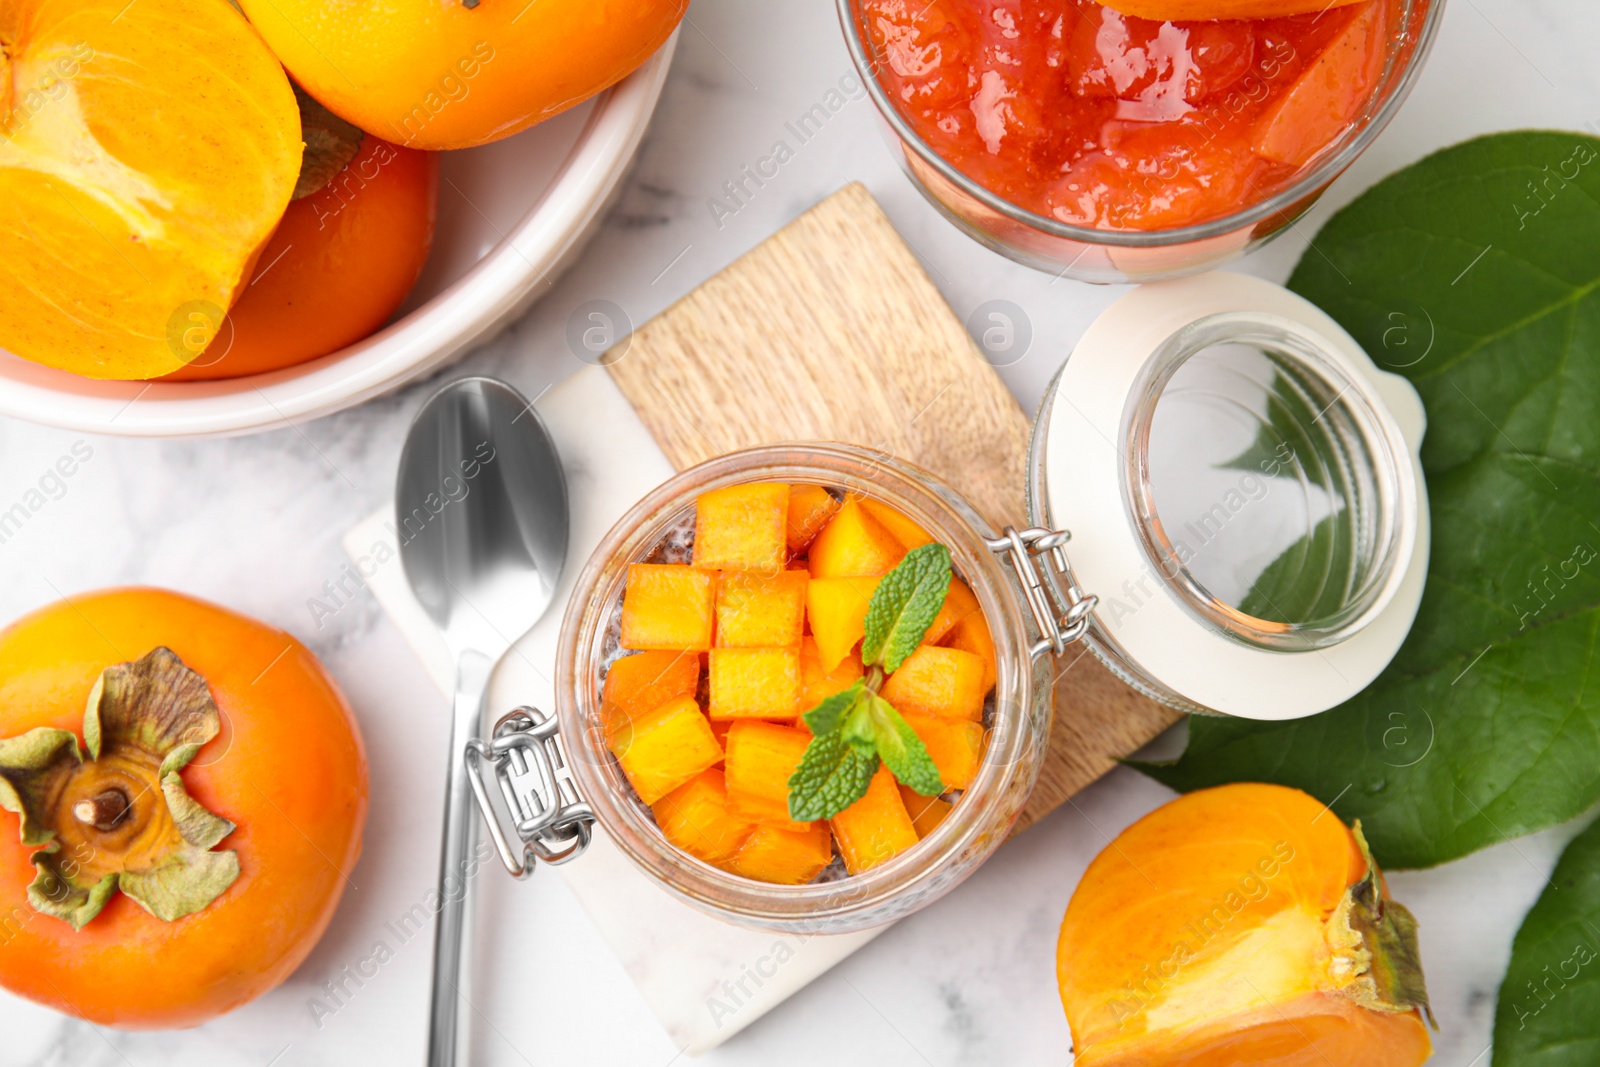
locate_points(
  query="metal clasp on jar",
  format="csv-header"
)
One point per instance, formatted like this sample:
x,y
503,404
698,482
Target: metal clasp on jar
x,y
1039,559
549,818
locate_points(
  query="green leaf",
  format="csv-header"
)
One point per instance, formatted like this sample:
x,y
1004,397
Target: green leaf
x,y
1549,1010
902,750
858,728
832,776
904,605
1476,274
826,717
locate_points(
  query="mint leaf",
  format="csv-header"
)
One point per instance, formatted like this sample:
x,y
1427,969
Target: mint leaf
x,y
904,605
826,716
832,776
1486,296
1549,1011
857,726
902,750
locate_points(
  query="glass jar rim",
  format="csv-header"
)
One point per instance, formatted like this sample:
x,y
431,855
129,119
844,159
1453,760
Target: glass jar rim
x,y
1145,634
927,501
1353,399
1278,203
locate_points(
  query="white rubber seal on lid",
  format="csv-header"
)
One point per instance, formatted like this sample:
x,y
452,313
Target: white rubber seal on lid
x,y
1143,609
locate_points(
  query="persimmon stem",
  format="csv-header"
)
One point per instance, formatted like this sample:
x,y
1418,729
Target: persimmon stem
x,y
103,811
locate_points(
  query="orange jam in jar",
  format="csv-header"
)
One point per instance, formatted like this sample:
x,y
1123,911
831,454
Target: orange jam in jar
x,y
1094,118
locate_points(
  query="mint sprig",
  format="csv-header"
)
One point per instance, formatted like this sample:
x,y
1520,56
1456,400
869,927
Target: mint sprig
x,y
832,776
827,716
901,750
904,605
856,729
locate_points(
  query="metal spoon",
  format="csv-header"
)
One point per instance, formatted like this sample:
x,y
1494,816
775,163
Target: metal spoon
x,y
481,513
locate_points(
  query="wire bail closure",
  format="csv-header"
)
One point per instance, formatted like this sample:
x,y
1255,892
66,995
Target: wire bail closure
x,y
553,823
1039,559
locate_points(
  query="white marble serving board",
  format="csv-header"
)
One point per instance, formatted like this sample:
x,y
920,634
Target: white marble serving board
x,y
705,979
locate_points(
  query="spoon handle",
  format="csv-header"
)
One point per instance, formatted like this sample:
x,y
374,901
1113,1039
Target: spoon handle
x,y
456,866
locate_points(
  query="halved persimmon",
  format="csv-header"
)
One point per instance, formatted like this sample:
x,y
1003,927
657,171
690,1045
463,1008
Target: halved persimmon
x,y
147,151
339,264
1242,924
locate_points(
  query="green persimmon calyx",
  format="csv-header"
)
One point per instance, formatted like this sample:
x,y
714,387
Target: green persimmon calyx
x,y
1375,946
118,816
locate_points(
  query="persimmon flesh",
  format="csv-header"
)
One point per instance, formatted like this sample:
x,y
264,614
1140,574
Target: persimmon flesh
x,y
147,151
338,265
1242,924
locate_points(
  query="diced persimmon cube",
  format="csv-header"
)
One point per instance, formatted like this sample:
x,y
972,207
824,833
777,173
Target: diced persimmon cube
x,y
742,527
971,634
853,544
817,684
762,756
937,681
755,683
644,681
926,812
773,854
668,606
836,608
695,817
956,746
760,611
810,508
666,748
876,828
959,602
908,533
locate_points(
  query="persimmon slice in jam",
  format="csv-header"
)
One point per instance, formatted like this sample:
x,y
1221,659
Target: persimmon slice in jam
x,y
1091,117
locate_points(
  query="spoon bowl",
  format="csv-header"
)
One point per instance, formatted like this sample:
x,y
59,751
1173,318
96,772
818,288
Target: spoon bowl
x,y
481,508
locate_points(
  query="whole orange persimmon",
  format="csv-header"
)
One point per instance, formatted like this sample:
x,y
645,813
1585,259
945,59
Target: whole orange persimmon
x,y
190,790
1240,925
455,73
340,262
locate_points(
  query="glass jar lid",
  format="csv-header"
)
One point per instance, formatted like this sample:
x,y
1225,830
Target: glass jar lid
x,y
1244,494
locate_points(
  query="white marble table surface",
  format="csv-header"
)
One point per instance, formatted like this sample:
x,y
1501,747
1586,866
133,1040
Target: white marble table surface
x,y
255,523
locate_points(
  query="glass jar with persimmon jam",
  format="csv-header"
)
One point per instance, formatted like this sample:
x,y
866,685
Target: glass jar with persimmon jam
x,y
807,687
1133,140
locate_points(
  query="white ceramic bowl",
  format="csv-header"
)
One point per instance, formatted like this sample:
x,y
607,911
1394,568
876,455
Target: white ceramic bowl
x,y
511,215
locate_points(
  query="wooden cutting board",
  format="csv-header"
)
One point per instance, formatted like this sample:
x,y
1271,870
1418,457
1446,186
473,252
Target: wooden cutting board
x,y
831,330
